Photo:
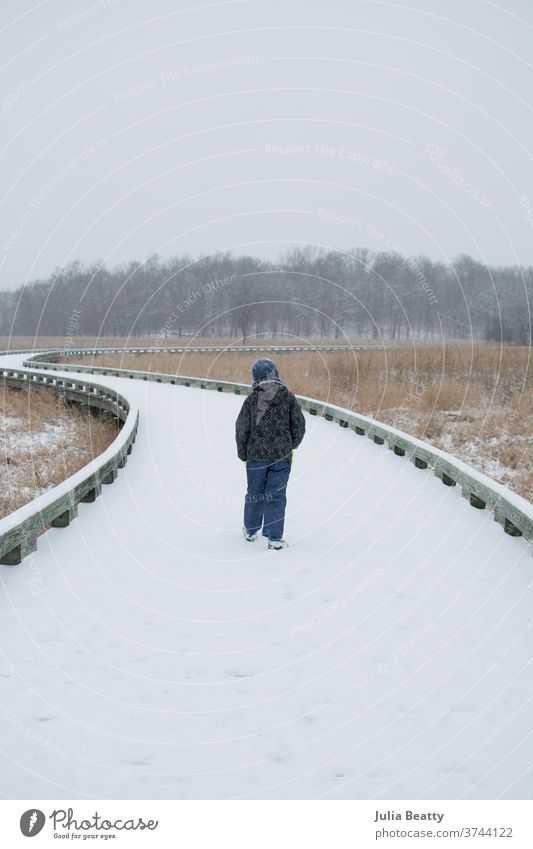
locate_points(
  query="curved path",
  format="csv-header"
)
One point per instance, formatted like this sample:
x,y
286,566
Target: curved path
x,y
148,651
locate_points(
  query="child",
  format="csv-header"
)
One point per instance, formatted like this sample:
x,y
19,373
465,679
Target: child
x,y
269,426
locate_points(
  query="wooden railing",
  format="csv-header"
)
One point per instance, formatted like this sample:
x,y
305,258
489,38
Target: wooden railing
x,y
57,507
512,512
65,353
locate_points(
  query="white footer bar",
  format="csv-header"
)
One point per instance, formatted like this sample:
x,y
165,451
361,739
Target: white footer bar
x,y
268,824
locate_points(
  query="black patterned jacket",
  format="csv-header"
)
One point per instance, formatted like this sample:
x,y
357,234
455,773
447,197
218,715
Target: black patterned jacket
x,y
270,423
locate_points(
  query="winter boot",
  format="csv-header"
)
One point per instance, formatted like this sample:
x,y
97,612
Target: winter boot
x,y
277,544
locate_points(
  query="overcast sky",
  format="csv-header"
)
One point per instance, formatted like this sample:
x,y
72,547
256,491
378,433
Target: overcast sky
x,y
129,128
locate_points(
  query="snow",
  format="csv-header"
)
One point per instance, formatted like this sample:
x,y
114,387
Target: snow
x,y
498,488
49,496
149,651
50,435
8,421
15,439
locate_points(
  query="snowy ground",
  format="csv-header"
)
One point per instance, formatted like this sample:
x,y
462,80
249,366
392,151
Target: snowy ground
x,y
466,435
148,651
29,463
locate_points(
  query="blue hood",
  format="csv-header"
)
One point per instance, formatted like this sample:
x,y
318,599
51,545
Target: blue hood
x,y
264,369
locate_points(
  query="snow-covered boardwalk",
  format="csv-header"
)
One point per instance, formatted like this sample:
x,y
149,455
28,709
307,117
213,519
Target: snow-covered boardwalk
x,y
148,651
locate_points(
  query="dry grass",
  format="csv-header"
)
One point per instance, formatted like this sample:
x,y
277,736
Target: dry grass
x,y
475,401
44,440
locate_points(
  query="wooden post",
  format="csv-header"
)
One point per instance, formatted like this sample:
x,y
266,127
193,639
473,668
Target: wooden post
x,y
110,477
65,518
511,529
91,495
19,552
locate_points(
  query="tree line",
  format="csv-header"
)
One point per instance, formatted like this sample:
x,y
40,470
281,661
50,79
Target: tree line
x,y
307,292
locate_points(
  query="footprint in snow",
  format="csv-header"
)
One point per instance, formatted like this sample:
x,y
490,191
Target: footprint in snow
x,y
464,707
454,768
239,673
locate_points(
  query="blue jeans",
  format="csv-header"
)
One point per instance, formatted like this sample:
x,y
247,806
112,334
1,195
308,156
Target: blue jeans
x,y
266,499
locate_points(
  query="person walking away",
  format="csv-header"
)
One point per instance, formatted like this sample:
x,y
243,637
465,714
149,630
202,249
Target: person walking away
x,y
269,427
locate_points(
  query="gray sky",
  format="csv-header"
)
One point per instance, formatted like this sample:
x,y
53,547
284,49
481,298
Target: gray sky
x,y
130,127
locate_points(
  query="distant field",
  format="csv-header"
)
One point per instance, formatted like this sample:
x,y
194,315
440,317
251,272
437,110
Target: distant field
x,y
475,401
15,342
